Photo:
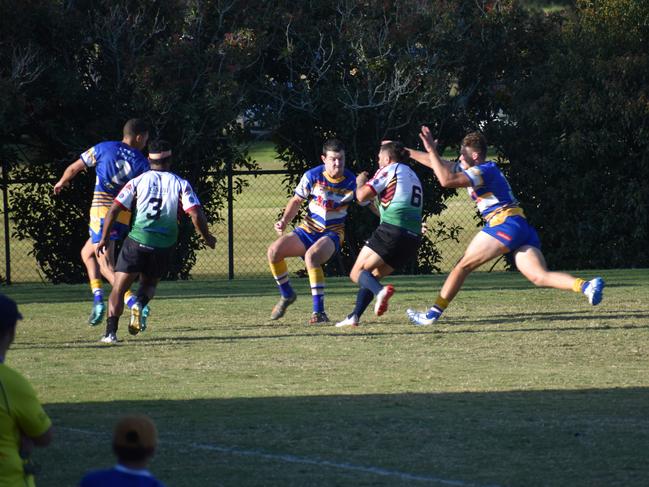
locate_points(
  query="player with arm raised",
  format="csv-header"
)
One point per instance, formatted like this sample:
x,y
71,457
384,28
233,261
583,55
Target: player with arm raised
x,y
506,228
156,196
115,163
396,239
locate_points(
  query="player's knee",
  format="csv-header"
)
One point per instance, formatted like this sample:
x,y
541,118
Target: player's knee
x,y
273,253
537,278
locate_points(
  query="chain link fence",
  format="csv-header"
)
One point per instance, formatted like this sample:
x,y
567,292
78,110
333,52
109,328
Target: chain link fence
x,y
244,234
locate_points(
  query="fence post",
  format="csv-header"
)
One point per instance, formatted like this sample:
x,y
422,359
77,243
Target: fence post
x,y
5,212
230,223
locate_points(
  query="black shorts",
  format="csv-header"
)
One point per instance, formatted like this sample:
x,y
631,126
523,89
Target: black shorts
x,y
396,246
150,261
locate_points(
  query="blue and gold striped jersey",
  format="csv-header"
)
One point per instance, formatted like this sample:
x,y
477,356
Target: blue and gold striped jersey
x,y
491,191
115,164
328,199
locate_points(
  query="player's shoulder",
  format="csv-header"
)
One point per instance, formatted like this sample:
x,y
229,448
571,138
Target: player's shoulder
x,y
14,379
314,172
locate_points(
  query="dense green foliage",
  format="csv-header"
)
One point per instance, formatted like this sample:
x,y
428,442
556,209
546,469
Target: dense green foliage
x,y
578,138
551,91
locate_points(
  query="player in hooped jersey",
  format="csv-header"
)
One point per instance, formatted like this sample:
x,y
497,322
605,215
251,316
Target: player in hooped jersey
x,y
157,195
115,163
329,189
396,239
506,228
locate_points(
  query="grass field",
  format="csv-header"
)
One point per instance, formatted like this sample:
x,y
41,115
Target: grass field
x,y
517,386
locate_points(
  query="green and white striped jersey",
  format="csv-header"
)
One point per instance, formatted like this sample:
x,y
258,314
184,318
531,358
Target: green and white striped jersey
x,y
157,196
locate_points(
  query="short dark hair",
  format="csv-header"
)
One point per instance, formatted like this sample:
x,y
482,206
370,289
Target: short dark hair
x,y
333,145
477,141
396,151
159,145
135,126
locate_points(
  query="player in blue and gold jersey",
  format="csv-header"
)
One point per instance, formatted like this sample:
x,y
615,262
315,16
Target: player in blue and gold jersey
x,y
506,229
329,190
115,163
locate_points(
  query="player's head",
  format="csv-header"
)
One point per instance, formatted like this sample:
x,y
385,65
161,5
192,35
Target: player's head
x,y
136,133
392,151
333,157
135,439
160,153
9,316
473,149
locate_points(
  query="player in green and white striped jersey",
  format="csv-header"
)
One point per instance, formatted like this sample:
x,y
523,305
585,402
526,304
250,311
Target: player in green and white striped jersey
x,y
157,195
396,239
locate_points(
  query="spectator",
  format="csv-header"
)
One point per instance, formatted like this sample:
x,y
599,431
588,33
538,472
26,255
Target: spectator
x,y
23,423
134,442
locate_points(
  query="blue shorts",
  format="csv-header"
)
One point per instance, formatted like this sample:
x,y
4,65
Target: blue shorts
x,y
514,233
308,239
119,229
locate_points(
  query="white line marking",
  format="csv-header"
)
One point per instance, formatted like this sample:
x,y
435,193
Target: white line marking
x,y
302,460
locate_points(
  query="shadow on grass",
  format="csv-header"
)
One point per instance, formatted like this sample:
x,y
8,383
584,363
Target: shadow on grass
x,y
549,437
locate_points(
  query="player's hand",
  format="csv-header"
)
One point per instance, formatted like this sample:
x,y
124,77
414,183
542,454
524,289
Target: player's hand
x,y
361,179
427,138
424,228
210,241
58,187
101,248
280,225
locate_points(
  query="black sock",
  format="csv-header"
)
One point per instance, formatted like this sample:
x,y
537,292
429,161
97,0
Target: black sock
x,y
111,325
143,299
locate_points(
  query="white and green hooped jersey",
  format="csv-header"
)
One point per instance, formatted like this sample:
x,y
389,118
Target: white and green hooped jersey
x,y
399,191
157,196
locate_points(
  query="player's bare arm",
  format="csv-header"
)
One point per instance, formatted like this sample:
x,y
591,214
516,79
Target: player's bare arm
x,y
446,177
200,224
68,175
422,158
292,207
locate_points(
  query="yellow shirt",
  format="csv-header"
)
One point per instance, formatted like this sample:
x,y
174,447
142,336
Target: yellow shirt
x,y
19,411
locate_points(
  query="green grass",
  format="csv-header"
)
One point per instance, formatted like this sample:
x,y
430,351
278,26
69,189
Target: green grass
x,y
517,386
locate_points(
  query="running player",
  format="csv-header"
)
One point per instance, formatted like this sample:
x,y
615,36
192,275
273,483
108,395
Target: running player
x,y
147,251
115,163
396,239
506,228
329,190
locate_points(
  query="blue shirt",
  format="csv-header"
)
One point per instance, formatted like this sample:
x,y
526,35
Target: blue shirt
x,y
120,476
489,189
115,164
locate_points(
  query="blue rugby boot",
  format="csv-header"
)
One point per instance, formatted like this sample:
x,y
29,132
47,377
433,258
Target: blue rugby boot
x,y
143,317
594,290
97,313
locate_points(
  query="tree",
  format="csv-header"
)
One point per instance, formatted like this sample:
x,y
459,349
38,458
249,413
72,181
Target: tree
x,y
89,66
577,137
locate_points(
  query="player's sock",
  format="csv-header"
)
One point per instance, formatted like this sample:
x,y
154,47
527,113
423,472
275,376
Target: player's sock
x,y
97,290
363,300
280,273
438,308
129,299
143,299
579,286
112,322
316,279
368,281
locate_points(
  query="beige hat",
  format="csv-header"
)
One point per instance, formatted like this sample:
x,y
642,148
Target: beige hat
x,y
136,431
